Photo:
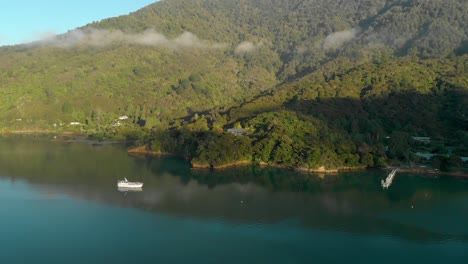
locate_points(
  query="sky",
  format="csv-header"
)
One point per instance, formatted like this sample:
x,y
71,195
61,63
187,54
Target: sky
x,y
23,21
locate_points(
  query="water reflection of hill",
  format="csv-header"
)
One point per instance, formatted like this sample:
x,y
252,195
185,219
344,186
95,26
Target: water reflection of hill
x,y
349,202
352,202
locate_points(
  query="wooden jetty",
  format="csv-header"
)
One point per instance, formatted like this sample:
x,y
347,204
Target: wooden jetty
x,y
388,181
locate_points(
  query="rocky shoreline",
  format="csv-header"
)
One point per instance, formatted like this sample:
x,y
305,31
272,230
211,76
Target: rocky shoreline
x,y
143,151
434,172
322,170
225,166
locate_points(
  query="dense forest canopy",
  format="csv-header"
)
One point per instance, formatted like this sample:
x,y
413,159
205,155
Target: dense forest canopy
x,y
311,82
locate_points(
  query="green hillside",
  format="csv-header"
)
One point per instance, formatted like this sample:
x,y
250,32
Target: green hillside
x,y
313,82
343,115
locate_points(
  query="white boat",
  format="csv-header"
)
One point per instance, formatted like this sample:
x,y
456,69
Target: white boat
x,y
126,184
126,189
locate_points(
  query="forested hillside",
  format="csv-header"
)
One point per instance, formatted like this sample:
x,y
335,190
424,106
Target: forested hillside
x,y
338,117
312,82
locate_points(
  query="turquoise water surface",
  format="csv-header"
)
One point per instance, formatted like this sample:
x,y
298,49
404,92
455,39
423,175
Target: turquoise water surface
x,y
59,204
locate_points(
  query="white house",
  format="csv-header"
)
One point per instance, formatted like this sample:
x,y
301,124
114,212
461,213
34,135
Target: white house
x,y
423,139
237,131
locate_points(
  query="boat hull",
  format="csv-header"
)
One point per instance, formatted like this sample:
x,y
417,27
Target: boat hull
x,y
133,189
129,184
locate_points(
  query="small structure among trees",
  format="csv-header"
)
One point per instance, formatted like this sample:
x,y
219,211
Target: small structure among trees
x,y
422,139
237,131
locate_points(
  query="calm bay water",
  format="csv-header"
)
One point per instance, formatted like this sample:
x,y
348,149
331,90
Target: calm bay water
x,y
59,204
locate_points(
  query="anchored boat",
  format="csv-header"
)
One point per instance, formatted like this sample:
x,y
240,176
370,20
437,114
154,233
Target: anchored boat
x,y
126,189
127,184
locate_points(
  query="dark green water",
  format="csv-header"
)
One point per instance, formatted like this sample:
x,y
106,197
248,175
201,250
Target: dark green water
x,y
59,204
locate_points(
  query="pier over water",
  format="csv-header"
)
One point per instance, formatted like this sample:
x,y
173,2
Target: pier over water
x,y
388,181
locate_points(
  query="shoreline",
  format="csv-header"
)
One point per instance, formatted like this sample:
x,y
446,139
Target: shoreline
x,y
321,170
67,137
433,172
225,166
40,132
142,151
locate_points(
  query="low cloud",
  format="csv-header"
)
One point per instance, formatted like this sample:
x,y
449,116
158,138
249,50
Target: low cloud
x,y
98,37
246,47
387,39
5,40
337,39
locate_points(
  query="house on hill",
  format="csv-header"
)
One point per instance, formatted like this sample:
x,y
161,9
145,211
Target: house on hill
x,y
237,131
422,139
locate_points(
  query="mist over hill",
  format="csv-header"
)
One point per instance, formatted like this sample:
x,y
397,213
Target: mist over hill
x,y
354,70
